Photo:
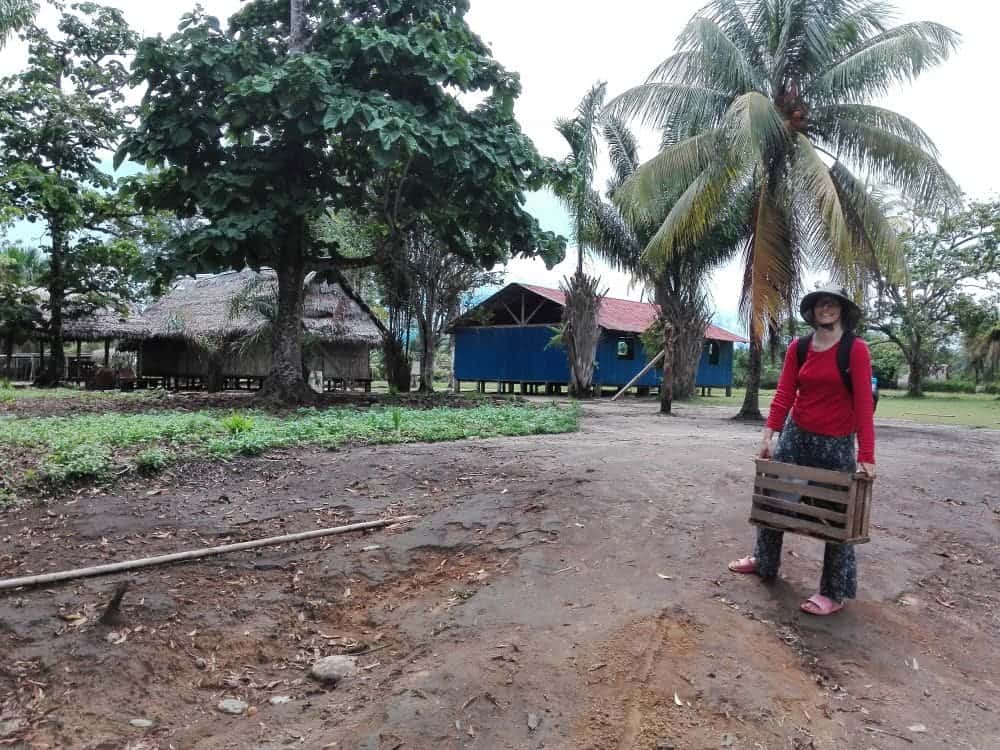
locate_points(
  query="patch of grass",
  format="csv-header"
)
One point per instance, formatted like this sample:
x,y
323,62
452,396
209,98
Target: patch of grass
x,y
967,409
151,461
6,392
75,462
91,447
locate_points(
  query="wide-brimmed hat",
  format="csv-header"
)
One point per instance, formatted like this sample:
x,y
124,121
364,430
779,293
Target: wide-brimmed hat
x,y
850,312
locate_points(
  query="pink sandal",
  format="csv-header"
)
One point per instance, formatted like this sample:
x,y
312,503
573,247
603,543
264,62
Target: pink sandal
x,y
820,605
744,565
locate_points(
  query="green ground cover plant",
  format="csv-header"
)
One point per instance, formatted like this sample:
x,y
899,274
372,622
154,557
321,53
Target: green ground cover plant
x,y
60,450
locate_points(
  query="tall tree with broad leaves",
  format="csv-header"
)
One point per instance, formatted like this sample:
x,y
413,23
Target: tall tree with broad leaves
x,y
56,117
950,260
574,186
262,127
771,102
677,283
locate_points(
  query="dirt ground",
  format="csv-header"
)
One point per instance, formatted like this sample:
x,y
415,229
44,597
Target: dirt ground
x,y
564,591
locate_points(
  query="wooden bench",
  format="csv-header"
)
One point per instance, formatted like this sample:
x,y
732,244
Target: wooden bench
x,y
834,506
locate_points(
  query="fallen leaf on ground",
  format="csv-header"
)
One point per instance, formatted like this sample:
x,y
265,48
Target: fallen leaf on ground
x,y
664,577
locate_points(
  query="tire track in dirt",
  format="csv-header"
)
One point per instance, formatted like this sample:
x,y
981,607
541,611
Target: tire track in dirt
x,y
654,648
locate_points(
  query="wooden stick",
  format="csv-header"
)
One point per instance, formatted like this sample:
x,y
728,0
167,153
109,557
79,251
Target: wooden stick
x,y
99,570
642,372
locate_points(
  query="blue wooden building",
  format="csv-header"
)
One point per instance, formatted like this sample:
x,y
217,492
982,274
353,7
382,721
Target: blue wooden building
x,y
505,340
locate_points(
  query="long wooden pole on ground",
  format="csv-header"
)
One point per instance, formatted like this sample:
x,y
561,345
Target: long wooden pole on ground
x,y
643,371
194,554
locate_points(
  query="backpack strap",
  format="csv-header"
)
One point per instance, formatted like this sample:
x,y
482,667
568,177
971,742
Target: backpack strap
x,y
843,355
844,359
802,348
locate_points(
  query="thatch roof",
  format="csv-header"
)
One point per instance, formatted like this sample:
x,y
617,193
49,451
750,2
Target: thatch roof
x,y
83,322
201,308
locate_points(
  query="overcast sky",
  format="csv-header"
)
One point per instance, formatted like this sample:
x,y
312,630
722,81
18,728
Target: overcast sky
x,y
562,47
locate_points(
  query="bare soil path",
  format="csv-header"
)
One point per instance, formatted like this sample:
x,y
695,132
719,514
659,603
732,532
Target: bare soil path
x,y
564,591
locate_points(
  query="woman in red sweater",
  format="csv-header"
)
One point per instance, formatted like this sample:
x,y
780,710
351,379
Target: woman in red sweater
x,y
818,418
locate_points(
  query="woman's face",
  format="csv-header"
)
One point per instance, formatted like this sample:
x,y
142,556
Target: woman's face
x,y
827,310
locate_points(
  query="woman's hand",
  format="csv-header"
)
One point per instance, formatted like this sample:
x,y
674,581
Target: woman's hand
x,y
868,469
765,444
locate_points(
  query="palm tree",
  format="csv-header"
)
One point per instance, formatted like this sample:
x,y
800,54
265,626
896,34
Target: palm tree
x,y
14,15
677,284
580,332
770,102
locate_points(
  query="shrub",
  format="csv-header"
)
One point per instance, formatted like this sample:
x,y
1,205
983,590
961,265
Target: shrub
x,y
237,424
6,392
949,386
151,461
84,461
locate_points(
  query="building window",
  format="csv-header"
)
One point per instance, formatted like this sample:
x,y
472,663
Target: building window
x,y
714,351
626,348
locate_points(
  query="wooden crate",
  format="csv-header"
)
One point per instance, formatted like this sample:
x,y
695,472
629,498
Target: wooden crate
x,y
831,505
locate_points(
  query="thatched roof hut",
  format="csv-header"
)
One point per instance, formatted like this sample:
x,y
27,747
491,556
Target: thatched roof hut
x,y
200,308
84,322
194,335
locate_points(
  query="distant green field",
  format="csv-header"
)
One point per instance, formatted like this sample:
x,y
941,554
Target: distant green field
x,y
978,410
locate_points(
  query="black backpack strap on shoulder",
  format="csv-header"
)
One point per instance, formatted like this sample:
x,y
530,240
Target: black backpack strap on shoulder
x,y
844,359
802,348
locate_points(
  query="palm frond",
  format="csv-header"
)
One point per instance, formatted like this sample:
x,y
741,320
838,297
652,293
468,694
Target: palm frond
x,y
258,296
614,239
827,116
661,105
623,150
819,189
892,160
694,214
752,127
716,60
730,17
855,22
873,67
869,224
640,196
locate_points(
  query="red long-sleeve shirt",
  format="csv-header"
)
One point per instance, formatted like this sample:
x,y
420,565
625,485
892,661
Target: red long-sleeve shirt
x,y
819,400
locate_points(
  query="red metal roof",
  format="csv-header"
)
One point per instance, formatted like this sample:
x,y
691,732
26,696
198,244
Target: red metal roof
x,y
629,315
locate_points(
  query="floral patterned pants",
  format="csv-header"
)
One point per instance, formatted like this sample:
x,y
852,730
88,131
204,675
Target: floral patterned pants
x,y
840,568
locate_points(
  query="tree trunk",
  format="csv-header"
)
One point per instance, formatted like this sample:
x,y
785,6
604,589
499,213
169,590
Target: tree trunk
x,y
751,401
451,360
9,353
581,333
285,383
213,381
428,346
57,298
688,345
915,386
397,364
667,384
